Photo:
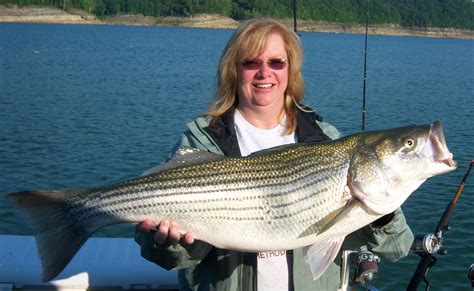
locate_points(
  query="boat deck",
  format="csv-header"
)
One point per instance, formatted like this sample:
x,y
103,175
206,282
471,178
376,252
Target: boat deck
x,y
101,264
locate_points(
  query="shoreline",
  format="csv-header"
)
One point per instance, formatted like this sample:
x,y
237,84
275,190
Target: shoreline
x,y
37,14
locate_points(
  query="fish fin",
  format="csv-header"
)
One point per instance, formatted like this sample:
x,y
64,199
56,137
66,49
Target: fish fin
x,y
321,225
349,210
320,255
185,156
331,219
275,149
58,238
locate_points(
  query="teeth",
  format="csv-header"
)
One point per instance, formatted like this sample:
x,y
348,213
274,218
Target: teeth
x,y
263,85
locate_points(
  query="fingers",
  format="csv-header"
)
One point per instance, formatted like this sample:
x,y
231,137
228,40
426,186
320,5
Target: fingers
x,y
146,225
166,231
174,236
188,238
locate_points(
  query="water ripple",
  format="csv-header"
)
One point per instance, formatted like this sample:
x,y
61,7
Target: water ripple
x,y
100,104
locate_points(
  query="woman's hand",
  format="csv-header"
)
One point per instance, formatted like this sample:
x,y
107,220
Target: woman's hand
x,y
166,231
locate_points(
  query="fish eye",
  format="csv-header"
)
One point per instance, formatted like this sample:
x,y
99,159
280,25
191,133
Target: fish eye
x,y
409,142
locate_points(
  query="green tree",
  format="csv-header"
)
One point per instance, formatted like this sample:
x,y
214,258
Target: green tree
x,y
410,13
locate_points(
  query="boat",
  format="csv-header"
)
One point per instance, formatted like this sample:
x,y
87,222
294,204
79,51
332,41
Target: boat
x,y
102,263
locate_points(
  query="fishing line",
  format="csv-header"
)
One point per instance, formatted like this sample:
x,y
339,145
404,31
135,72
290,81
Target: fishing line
x,y
364,109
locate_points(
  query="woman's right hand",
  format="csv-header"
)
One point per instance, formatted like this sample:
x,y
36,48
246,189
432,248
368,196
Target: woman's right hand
x,y
166,231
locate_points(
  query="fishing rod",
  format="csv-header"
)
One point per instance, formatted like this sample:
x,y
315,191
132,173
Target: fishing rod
x,y
364,262
294,16
364,109
429,245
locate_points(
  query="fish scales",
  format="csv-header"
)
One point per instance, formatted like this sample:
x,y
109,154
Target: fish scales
x,y
210,208
174,196
229,177
288,197
207,212
273,192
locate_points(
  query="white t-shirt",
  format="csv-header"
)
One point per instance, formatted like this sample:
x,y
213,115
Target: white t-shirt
x,y
272,267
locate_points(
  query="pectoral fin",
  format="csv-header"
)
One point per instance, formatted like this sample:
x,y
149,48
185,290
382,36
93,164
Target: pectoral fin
x,y
331,219
345,215
320,255
322,224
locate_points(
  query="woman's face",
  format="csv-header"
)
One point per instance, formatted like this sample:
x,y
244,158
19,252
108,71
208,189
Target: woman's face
x,y
264,86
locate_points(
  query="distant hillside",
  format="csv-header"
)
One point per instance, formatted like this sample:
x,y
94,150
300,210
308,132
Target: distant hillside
x,y
457,14
42,14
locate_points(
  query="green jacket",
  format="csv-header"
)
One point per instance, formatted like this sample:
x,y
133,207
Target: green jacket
x,y
204,267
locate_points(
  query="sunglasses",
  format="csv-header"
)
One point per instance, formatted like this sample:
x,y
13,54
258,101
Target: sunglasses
x,y
274,64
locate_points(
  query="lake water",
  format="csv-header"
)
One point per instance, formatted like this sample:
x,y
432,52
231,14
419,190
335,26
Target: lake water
x,y
84,106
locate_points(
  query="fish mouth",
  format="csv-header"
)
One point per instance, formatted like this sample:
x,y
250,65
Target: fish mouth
x,y
438,149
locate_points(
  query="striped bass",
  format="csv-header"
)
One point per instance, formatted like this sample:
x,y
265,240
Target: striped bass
x,y
302,195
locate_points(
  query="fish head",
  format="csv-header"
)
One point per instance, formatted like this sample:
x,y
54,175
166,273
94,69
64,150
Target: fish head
x,y
391,164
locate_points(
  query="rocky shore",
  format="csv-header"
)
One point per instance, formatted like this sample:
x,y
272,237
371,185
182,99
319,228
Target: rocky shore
x,y
34,14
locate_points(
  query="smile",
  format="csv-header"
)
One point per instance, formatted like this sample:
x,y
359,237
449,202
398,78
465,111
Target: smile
x,y
263,85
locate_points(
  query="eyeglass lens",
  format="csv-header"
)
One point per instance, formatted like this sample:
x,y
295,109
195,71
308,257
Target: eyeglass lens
x,y
275,64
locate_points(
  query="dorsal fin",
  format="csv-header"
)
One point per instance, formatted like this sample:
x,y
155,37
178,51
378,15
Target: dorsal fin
x,y
185,156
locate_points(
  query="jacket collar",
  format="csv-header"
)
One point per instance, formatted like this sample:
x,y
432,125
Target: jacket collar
x,y
222,131
307,130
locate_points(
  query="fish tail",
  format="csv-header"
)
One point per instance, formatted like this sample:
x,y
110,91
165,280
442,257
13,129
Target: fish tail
x,y
58,237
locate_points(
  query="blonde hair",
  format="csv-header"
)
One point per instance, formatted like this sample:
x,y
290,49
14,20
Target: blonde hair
x,y
249,41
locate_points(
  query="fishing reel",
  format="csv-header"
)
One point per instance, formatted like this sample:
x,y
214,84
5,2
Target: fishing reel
x,y
428,243
365,265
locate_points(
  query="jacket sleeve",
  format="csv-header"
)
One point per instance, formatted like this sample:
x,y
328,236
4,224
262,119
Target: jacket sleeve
x,y
169,256
391,241
180,255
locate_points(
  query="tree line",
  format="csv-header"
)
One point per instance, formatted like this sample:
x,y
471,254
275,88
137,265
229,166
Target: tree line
x,y
407,13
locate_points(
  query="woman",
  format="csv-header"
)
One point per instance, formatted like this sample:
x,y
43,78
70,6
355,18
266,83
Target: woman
x,y
256,106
